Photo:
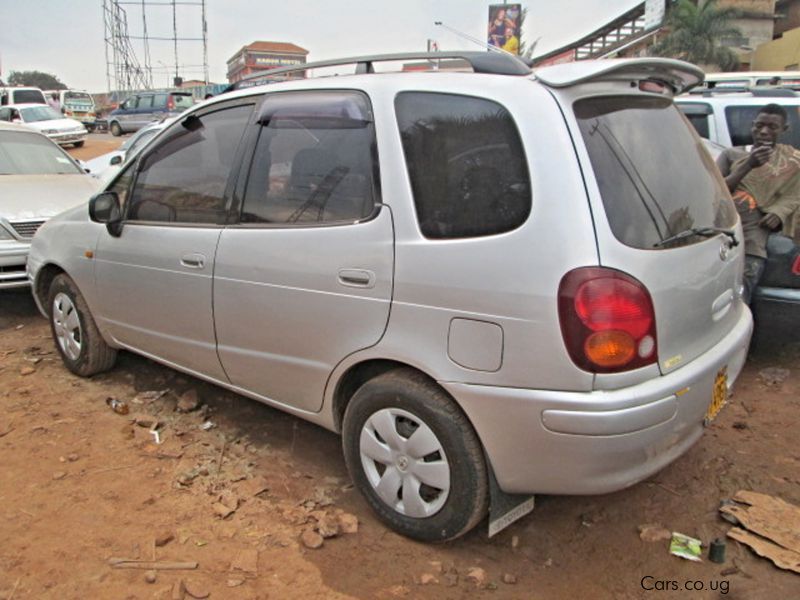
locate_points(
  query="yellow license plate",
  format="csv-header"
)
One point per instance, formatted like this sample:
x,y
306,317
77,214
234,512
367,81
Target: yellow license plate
x,y
719,395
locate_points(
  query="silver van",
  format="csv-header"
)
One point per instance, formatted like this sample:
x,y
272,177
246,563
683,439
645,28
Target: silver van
x,y
492,284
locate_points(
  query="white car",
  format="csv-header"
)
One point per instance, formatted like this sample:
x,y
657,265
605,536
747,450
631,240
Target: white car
x,y
46,120
37,181
106,165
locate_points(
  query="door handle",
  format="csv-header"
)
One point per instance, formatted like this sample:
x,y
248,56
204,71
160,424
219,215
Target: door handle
x,y
193,261
357,278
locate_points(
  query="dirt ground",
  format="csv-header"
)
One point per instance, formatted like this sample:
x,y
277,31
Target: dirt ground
x,y
81,485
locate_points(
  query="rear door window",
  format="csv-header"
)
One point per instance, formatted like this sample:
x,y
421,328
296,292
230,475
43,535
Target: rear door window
x,y
145,102
160,101
655,178
466,164
740,120
315,160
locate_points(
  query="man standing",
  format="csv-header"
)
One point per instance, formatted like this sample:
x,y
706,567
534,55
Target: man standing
x,y
765,186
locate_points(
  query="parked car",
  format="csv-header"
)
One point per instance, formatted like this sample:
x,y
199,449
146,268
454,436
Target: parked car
x,y
106,165
46,120
77,105
21,95
37,180
725,118
489,284
146,107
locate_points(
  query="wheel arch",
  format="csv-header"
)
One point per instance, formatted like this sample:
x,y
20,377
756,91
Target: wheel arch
x,y
41,285
358,374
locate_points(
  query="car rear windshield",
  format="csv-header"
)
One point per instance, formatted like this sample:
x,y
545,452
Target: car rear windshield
x,y
31,154
28,97
655,178
182,100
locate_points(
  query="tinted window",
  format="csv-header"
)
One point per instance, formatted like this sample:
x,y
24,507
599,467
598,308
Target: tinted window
x,y
467,167
31,154
28,97
183,179
122,184
159,101
314,161
740,120
145,102
654,176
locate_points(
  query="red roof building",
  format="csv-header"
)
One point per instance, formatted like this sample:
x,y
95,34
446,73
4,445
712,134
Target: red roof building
x,y
263,56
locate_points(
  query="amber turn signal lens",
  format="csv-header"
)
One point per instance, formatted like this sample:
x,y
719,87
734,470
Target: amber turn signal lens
x,y
611,348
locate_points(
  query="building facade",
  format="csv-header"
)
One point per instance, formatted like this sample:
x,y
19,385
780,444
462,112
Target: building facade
x,y
259,57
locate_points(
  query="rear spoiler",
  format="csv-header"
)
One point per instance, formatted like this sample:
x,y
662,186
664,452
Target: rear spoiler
x,y
679,75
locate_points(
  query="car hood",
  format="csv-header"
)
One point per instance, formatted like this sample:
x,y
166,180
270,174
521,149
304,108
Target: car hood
x,y
57,124
42,196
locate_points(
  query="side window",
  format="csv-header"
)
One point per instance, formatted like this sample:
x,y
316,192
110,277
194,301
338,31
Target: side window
x,y
145,102
5,114
315,160
183,179
160,101
740,120
466,164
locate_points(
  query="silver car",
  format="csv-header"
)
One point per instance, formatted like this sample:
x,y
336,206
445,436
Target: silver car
x,y
491,284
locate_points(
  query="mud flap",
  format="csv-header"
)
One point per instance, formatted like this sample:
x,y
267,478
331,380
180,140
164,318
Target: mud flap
x,y
505,509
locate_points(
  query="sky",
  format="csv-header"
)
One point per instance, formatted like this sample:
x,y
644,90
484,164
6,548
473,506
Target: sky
x,y
65,37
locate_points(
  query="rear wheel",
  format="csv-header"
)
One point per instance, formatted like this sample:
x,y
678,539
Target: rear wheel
x,y
82,348
115,129
415,457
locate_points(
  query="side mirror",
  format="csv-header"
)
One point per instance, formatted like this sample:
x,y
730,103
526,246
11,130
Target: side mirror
x,y
105,208
115,160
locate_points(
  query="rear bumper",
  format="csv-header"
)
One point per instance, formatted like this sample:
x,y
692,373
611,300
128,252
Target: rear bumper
x,y
13,256
541,441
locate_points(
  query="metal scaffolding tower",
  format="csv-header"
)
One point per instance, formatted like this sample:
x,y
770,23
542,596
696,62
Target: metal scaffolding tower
x,y
124,45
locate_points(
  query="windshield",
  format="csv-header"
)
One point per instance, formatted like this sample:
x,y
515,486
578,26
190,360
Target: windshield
x,y
30,154
39,113
655,177
78,98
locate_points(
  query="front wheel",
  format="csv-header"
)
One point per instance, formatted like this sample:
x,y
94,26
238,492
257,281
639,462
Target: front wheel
x,y
115,129
83,350
415,457
78,144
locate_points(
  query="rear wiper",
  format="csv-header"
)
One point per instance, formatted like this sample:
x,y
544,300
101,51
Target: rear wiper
x,y
701,231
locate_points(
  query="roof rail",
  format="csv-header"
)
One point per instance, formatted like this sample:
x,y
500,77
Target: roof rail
x,y
481,62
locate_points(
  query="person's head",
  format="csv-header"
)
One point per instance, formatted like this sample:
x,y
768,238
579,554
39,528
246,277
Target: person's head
x,y
54,95
207,96
769,124
500,14
509,32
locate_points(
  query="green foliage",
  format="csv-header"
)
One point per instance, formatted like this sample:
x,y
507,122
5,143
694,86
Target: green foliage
x,y
695,32
44,81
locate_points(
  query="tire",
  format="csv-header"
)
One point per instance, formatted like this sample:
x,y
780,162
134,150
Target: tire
x,y
77,339
78,144
115,129
400,404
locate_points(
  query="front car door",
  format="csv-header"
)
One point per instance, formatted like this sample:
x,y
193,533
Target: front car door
x,y
154,281
305,278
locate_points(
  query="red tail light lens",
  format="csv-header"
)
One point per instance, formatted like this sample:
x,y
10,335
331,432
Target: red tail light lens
x,y
170,102
796,266
607,320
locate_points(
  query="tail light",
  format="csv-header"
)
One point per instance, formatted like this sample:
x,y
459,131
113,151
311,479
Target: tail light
x,y
170,102
607,320
796,266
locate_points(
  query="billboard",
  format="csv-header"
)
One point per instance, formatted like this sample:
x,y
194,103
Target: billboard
x,y
504,22
654,13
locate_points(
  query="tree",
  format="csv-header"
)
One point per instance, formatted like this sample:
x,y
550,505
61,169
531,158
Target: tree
x,y
695,32
44,81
